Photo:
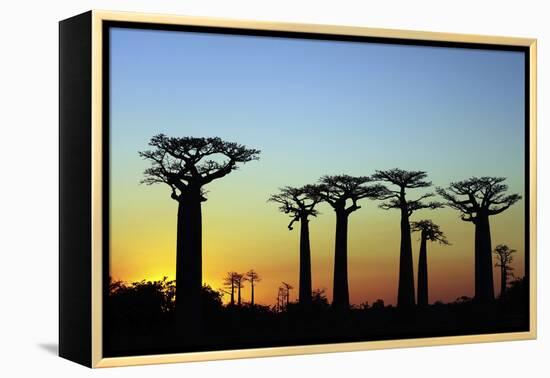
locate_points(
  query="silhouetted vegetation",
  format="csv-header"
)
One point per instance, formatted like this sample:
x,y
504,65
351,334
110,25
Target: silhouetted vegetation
x,y
477,199
253,277
187,165
300,204
504,256
148,317
141,320
429,231
397,199
342,193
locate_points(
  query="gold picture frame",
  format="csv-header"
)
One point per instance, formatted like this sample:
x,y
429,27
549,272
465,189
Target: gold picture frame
x,y
93,26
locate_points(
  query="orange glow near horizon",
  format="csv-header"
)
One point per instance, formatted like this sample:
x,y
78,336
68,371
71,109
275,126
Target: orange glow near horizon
x,y
143,241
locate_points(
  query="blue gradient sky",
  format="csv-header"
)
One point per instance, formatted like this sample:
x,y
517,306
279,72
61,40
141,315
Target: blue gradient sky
x,y
313,108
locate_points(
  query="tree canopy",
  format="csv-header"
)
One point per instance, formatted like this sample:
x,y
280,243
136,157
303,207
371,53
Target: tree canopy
x,y
298,202
504,255
395,199
430,230
478,195
184,161
337,190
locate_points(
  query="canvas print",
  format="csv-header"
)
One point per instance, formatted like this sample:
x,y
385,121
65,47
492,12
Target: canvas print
x,y
277,190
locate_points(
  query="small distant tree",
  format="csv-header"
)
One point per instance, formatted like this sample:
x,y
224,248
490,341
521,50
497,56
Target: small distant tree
x,y
253,278
287,287
477,199
300,204
342,193
429,231
239,284
230,282
397,199
504,257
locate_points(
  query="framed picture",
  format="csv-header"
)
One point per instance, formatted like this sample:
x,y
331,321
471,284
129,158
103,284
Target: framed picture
x,y
236,189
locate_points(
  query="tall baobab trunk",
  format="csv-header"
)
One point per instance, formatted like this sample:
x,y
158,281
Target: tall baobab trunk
x,y
423,272
252,294
340,297
189,261
405,293
232,293
484,288
305,263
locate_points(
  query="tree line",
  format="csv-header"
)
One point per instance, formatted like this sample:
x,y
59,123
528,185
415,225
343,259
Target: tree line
x,y
476,198
234,281
188,164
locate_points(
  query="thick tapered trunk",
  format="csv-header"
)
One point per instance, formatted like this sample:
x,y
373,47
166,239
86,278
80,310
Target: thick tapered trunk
x,y
189,263
484,288
232,295
252,294
305,264
503,278
405,293
423,273
340,297
239,297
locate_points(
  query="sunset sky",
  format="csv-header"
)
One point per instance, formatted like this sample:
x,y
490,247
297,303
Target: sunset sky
x,y
313,108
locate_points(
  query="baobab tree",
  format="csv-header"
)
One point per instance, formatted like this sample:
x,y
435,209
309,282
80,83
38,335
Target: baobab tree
x,y
429,231
342,193
187,165
230,283
397,199
300,204
252,277
477,199
283,296
239,284
504,256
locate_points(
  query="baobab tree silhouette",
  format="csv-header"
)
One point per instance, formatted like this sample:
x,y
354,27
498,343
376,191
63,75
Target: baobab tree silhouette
x,y
504,256
478,198
340,191
397,199
239,279
300,204
252,277
230,282
429,231
187,165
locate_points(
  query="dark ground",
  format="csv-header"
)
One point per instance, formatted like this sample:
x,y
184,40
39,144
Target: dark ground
x,y
140,319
